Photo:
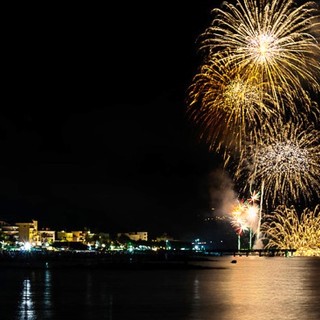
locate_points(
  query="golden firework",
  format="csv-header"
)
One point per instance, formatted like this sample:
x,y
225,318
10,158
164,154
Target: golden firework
x,y
277,41
285,159
254,97
226,106
284,229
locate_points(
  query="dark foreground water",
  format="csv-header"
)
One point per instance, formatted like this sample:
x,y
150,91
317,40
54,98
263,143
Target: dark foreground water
x,y
254,288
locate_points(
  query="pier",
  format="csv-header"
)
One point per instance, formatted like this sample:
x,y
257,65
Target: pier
x,y
255,252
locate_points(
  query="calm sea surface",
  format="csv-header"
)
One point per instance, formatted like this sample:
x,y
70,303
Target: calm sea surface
x,y
253,288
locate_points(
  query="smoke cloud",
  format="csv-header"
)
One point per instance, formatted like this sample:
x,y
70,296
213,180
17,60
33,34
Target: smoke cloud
x,y
221,189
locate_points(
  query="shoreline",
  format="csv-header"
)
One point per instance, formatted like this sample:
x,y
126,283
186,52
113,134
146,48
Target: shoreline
x,y
108,260
122,260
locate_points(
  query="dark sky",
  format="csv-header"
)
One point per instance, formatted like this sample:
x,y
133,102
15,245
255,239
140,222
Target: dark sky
x,y
93,130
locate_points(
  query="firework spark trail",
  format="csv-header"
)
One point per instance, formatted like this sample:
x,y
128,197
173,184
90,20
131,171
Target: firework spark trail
x,y
283,229
227,106
256,58
244,216
273,39
253,98
238,218
286,158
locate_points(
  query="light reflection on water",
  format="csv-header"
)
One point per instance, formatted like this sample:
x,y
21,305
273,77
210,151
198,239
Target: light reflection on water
x,y
26,308
263,288
35,296
256,288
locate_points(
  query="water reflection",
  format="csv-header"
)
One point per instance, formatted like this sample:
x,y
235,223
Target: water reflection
x,y
35,297
47,299
254,288
196,291
258,288
26,308
273,286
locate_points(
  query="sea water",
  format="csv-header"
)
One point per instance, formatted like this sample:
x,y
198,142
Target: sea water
x,y
253,288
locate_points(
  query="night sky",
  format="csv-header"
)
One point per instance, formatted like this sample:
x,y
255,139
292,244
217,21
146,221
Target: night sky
x,y
93,126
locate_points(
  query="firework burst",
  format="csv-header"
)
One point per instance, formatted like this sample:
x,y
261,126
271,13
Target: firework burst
x,y
244,216
226,106
284,229
274,40
253,99
238,218
285,158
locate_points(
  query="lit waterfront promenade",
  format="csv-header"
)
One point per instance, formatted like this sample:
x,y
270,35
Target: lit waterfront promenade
x,y
122,259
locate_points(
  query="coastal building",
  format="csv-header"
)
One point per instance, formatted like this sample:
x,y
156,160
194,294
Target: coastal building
x,y
79,236
10,232
28,231
135,236
74,236
46,237
64,236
